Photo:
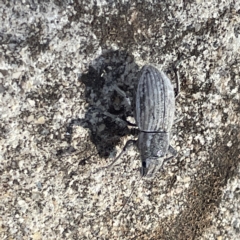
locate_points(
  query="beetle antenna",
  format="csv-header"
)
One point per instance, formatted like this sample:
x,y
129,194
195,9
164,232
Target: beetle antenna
x,y
129,197
177,82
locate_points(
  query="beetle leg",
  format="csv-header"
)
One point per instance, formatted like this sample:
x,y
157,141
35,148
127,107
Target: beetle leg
x,y
114,117
172,151
122,120
177,90
125,148
122,93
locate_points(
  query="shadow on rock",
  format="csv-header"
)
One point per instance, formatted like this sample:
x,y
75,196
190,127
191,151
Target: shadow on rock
x,y
109,77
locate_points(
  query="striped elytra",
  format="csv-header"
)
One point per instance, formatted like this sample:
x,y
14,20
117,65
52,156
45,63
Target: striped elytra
x,y
155,101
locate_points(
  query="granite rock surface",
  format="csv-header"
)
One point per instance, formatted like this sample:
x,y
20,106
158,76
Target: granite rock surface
x,y
62,119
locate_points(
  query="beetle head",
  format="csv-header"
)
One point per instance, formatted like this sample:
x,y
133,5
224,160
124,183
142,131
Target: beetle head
x,y
153,148
151,166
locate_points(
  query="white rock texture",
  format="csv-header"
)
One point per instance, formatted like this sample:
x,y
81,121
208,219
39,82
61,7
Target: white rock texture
x,y
61,119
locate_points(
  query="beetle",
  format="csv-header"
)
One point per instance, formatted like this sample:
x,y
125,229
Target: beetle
x,y
154,116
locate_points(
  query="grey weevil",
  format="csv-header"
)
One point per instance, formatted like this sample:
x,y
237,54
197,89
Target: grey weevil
x,y
154,115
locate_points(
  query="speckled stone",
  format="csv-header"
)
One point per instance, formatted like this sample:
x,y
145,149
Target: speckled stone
x,y
61,119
